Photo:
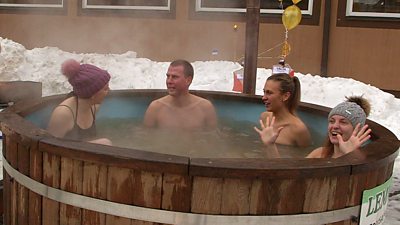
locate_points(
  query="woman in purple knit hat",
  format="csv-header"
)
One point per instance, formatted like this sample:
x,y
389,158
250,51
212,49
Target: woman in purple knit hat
x,y
75,117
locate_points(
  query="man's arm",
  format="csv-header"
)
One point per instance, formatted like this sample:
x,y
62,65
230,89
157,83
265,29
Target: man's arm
x,y
211,116
150,117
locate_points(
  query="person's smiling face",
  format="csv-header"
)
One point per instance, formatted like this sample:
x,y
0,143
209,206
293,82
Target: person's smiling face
x,y
273,98
339,125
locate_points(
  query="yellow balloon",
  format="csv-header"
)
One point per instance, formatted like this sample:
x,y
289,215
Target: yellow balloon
x,y
291,17
296,1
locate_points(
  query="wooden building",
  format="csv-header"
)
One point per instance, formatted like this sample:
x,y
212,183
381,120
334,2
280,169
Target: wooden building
x,y
331,40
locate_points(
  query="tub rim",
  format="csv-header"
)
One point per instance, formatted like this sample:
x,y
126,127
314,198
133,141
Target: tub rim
x,y
12,122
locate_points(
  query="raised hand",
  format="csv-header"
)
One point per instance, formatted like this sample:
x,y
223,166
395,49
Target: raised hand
x,y
267,133
357,138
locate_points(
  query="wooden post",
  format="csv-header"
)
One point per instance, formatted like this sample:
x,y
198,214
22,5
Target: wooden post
x,y
325,39
251,52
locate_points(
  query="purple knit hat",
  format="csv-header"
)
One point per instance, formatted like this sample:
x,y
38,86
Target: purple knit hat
x,y
85,79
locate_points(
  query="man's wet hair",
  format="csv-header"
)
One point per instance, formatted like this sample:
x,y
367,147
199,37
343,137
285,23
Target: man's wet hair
x,y
187,67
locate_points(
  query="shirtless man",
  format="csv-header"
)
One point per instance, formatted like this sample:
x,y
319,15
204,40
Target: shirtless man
x,y
180,109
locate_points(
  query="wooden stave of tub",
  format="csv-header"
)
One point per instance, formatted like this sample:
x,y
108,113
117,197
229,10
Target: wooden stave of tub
x,y
175,183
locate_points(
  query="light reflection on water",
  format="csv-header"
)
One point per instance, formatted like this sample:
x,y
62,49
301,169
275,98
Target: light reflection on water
x,y
232,140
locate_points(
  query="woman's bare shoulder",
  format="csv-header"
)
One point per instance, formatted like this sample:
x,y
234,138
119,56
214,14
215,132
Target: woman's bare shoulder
x,y
301,132
61,120
63,110
298,125
295,124
316,153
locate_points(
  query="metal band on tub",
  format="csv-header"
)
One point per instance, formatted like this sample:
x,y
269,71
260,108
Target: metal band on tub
x,y
171,217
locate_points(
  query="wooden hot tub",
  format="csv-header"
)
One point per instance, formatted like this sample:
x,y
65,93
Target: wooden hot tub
x,y
50,181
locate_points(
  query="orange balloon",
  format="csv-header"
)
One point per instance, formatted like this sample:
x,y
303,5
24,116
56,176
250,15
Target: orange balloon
x,y
291,17
296,1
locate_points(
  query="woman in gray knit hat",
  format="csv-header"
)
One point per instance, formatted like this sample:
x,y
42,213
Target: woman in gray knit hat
x,y
347,130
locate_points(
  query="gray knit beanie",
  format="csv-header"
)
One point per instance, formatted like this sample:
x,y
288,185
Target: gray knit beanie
x,y
350,110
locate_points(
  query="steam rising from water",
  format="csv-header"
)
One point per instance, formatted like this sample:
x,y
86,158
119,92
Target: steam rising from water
x,y
233,139
130,72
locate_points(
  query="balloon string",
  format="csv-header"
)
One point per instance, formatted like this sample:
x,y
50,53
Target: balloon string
x,y
265,57
284,54
286,34
281,56
268,50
